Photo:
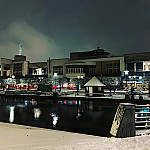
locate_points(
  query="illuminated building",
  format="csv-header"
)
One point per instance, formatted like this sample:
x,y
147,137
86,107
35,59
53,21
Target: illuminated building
x,y
97,63
21,68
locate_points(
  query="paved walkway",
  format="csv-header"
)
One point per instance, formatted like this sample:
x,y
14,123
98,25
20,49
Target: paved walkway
x,y
18,137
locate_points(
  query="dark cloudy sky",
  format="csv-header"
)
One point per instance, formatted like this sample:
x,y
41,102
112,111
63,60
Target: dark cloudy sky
x,y
54,28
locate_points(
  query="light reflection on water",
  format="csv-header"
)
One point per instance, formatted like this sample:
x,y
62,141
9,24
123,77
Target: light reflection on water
x,y
37,113
75,115
11,116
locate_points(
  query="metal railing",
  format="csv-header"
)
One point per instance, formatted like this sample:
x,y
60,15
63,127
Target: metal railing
x,y
142,116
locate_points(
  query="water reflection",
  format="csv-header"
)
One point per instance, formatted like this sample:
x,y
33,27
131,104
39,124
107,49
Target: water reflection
x,y
55,119
37,113
11,115
70,115
78,114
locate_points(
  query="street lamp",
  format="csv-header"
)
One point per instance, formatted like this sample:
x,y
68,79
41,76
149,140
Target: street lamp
x,y
13,80
55,75
13,77
134,81
126,72
78,77
28,81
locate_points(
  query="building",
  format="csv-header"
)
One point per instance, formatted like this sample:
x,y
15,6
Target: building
x,y
75,68
87,64
138,67
96,62
17,67
21,68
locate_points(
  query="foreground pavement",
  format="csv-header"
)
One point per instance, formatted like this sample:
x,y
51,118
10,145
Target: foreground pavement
x,y
19,137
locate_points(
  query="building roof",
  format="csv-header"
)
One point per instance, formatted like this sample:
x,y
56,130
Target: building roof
x,y
94,82
96,53
143,56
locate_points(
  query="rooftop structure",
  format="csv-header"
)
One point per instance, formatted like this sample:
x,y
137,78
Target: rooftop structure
x,y
96,53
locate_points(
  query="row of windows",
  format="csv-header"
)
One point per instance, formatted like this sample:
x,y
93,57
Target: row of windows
x,y
74,70
112,68
35,71
58,70
92,71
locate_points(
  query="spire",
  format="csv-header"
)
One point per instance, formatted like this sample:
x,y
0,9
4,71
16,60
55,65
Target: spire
x,y
20,47
98,46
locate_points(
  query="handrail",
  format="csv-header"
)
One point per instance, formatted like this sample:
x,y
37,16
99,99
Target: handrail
x,y
142,116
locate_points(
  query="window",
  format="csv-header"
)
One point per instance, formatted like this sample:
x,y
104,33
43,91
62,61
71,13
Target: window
x,y
30,71
148,67
139,66
130,66
6,68
43,71
74,70
109,68
18,69
144,67
116,68
91,71
58,70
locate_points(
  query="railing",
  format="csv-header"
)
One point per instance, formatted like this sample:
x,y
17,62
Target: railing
x,y
142,116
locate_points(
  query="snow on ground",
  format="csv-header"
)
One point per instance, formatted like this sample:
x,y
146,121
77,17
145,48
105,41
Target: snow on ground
x,y
18,137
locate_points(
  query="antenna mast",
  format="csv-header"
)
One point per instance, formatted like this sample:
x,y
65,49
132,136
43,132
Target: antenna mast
x,y
98,44
20,47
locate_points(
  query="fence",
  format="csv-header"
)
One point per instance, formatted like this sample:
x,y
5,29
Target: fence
x,y
142,116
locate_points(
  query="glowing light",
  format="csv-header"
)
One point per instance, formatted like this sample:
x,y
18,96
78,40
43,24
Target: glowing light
x,y
126,72
11,116
37,113
55,119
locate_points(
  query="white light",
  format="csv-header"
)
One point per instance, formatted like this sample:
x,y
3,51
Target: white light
x,y
80,77
11,115
55,74
140,77
126,72
37,113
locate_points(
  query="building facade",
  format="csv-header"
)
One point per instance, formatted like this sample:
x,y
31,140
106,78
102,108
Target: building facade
x,y
97,63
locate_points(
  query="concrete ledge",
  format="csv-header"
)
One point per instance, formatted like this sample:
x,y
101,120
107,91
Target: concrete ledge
x,y
124,121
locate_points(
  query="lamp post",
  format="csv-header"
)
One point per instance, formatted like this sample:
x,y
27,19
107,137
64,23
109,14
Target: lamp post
x,y
126,74
13,79
134,81
55,75
78,78
28,81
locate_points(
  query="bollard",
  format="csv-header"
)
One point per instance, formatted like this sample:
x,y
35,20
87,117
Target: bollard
x,y
124,121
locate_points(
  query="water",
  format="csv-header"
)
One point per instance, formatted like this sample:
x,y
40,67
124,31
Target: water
x,y
69,115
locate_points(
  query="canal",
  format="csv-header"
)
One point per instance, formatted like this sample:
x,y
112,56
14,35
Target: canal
x,y
88,117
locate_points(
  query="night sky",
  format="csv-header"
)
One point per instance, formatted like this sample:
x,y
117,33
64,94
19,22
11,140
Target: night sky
x,y
54,28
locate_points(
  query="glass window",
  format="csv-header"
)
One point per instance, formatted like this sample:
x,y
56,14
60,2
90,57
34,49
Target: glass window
x,y
109,68
116,68
58,70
